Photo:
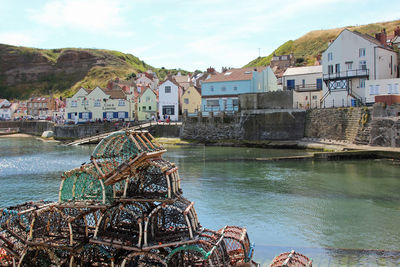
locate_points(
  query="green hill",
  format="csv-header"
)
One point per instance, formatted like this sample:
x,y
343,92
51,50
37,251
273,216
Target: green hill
x,y
309,46
28,71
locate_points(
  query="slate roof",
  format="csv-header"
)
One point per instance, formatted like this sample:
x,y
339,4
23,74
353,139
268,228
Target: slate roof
x,y
303,70
242,74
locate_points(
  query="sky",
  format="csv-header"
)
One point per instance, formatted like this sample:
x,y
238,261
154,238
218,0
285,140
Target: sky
x,y
181,34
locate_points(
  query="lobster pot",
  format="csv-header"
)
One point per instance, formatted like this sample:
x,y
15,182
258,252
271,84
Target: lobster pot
x,y
171,223
38,256
122,225
155,179
84,183
209,250
291,259
143,259
63,227
94,255
237,243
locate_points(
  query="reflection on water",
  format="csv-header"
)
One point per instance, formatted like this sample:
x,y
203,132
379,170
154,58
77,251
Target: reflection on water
x,y
296,204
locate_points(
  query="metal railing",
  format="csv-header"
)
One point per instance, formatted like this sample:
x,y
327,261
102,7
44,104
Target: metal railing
x,y
346,74
304,88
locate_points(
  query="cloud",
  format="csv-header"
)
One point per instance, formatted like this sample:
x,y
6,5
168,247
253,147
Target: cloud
x,y
19,39
94,16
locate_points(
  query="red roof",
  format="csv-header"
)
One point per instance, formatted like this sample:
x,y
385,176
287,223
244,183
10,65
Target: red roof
x,y
243,74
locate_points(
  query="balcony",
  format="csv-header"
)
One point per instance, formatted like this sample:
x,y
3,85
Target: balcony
x,y
305,87
348,74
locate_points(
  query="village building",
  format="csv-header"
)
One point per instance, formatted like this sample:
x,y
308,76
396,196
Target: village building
x,y
382,87
6,109
220,92
279,64
100,104
191,100
147,79
349,61
21,110
169,95
306,83
147,104
41,107
183,80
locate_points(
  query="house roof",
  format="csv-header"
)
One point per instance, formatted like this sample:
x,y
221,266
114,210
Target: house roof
x,y
115,94
303,70
40,99
171,79
182,78
234,75
369,38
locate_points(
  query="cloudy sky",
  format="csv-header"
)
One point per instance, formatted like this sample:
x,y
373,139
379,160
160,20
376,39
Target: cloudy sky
x,y
181,34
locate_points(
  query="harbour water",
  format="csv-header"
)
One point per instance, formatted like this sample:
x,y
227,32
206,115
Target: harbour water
x,y
344,213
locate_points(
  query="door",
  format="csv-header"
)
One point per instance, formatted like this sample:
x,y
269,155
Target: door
x,y
319,84
290,84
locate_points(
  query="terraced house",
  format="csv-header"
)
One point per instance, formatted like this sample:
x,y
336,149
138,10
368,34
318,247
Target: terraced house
x,y
100,104
220,92
147,104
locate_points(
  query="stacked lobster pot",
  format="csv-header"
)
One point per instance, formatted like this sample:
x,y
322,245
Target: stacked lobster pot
x,y
123,208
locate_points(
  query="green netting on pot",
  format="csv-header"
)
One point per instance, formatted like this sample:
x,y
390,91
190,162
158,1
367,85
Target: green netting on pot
x,y
84,184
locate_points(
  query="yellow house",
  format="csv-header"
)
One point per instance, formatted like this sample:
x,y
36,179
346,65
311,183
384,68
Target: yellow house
x,y
191,100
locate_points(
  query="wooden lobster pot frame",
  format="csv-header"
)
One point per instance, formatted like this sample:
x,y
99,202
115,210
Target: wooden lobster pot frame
x,y
208,250
238,244
92,254
39,256
85,184
143,258
156,179
172,222
122,147
291,259
122,225
63,227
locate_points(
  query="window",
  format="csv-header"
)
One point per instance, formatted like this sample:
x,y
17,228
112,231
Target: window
x,y
337,68
212,103
374,90
235,88
223,88
85,116
185,111
361,52
168,110
314,97
74,103
144,108
389,89
121,102
212,88
235,102
35,105
147,98
97,103
121,115
395,88
349,65
330,69
303,83
362,83
186,100
167,89
149,107
363,65
330,56
109,115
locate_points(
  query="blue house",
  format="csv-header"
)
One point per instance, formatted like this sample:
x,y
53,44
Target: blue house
x,y
220,92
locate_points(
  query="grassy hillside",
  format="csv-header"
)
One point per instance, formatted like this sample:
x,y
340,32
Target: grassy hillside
x,y
28,71
312,44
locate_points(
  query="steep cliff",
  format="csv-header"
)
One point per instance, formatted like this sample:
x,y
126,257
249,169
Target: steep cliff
x,y
26,71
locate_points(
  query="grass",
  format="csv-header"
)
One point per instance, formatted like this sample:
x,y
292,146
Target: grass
x,y
312,44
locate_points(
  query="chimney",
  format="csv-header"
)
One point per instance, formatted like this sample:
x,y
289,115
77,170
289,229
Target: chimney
x,y
397,31
382,37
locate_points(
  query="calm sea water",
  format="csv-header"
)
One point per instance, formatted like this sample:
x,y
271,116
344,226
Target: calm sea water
x,y
339,213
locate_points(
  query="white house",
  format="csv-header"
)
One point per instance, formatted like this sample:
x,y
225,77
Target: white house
x,y
147,79
381,87
306,83
169,93
99,104
350,60
6,109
